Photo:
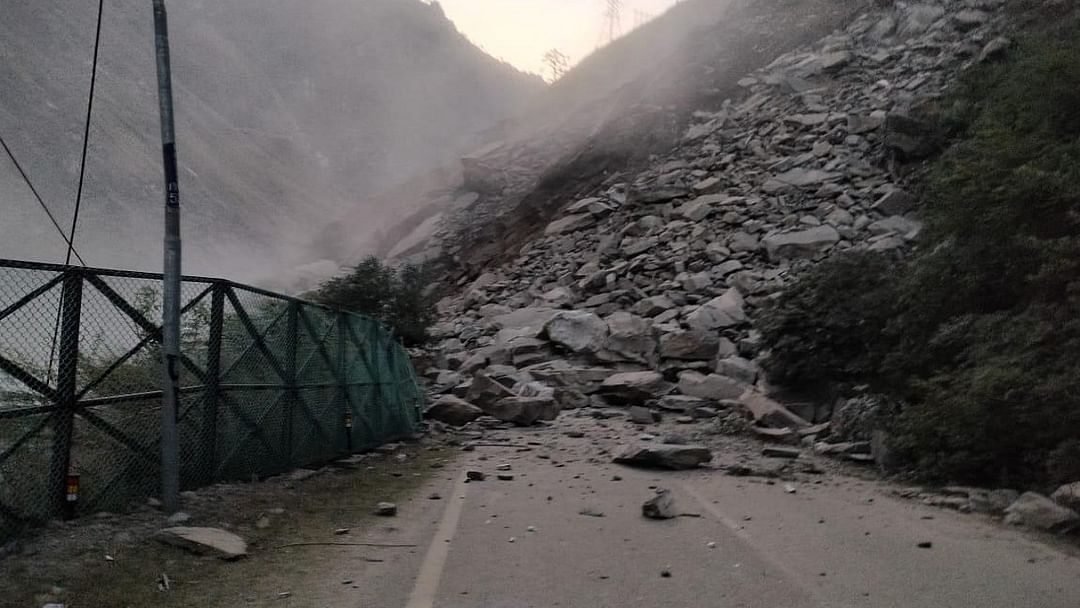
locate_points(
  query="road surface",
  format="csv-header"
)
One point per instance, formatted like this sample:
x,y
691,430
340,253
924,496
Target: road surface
x,y
567,531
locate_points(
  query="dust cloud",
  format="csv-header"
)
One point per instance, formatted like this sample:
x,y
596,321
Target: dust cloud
x,y
288,113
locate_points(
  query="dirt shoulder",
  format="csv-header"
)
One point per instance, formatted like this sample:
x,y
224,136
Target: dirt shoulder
x,y
113,561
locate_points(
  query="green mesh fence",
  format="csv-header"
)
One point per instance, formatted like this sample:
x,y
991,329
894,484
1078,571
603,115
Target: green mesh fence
x,y
269,383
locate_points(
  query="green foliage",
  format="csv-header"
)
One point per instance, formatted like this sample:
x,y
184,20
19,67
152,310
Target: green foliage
x,y
979,332
401,298
827,327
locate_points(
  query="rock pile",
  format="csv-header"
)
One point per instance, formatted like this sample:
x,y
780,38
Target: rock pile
x,y
642,293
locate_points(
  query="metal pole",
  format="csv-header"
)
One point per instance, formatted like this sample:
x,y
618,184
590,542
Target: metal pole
x,y
170,465
66,380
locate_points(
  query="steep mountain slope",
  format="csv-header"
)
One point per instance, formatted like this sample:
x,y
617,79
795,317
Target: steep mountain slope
x,y
286,112
608,115
641,283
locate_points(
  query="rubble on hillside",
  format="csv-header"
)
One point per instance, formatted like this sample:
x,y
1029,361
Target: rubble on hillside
x,y
641,293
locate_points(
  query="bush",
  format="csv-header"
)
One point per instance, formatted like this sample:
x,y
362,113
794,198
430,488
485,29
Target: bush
x,y
978,333
828,327
401,298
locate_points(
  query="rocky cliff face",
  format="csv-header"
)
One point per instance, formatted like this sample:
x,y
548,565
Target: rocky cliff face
x,y
287,113
641,289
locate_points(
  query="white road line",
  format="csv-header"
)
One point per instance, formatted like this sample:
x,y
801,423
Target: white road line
x,y
427,582
793,576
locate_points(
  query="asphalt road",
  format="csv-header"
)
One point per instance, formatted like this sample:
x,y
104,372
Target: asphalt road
x,y
837,541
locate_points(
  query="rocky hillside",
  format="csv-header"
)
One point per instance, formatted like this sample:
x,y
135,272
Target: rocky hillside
x,y
287,112
654,276
638,298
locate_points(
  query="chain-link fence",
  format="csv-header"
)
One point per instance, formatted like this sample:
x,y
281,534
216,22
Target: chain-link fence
x,y
268,383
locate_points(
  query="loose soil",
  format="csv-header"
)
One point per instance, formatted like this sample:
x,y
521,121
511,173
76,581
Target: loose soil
x,y
112,561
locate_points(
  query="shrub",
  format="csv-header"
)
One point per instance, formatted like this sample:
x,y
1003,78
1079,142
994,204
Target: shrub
x,y
828,326
401,298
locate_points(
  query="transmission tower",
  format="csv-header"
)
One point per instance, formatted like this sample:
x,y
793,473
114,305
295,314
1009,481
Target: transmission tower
x,y
613,19
641,18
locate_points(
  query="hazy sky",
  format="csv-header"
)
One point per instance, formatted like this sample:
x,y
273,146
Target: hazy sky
x,y
521,31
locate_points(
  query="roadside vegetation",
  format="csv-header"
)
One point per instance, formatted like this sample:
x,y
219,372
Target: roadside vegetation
x,y
978,333
402,298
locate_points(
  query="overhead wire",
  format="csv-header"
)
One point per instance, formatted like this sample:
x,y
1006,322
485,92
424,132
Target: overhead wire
x,y
82,177
86,134
37,196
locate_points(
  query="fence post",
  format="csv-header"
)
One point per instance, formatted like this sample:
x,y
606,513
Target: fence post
x,y
211,399
343,379
67,369
292,393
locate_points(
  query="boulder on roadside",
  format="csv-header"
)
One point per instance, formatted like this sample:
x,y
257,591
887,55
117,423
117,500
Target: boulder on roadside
x,y
1068,496
205,541
639,414
767,412
660,506
633,388
485,391
663,456
713,386
1037,511
563,374
453,411
523,411
993,502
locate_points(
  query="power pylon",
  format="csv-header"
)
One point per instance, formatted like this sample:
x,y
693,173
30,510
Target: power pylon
x,y
641,18
613,19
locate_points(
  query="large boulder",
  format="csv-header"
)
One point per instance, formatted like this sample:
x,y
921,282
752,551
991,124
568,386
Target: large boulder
x,y
567,375
769,413
526,351
690,345
485,391
713,386
523,411
630,338
577,331
663,456
718,313
205,541
1037,511
739,369
453,411
633,388
1068,496
483,357
801,244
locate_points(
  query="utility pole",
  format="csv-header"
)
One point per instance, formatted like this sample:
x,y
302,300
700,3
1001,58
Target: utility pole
x,y
170,329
